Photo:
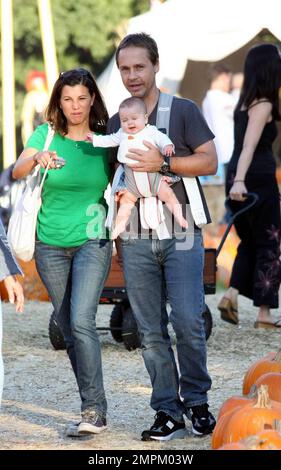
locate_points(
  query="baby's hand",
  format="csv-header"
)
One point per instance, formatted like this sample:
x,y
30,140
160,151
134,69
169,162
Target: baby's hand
x,y
119,194
169,150
89,137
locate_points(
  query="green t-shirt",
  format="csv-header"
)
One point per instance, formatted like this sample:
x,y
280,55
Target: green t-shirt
x,y
73,206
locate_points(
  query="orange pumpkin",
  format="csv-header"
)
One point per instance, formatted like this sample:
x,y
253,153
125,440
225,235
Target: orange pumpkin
x,y
268,440
32,285
278,174
218,433
273,381
212,238
269,363
234,446
252,418
233,402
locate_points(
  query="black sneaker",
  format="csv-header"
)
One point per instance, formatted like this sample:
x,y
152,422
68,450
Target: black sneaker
x,y
203,422
164,428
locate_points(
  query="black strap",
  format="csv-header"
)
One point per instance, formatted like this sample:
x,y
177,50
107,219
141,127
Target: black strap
x,y
258,102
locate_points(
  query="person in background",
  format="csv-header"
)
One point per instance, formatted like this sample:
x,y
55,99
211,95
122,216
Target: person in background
x,y
73,250
155,269
34,103
218,107
8,269
236,86
134,130
256,271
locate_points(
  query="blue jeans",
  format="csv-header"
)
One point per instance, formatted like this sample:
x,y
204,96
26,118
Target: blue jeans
x,y
154,270
1,359
74,279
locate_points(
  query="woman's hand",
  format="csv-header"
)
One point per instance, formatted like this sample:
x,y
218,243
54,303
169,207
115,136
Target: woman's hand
x,y
43,158
15,292
237,190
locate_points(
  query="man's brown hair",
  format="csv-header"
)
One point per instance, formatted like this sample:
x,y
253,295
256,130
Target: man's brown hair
x,y
140,40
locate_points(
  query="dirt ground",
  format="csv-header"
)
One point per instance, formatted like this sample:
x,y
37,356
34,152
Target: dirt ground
x,y
40,395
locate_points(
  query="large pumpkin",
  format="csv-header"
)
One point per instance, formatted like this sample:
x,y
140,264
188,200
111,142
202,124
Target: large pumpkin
x,y
273,381
32,285
234,446
269,363
234,402
252,418
212,239
269,439
218,433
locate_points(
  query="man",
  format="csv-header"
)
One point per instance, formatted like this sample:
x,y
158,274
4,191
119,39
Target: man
x,y
154,268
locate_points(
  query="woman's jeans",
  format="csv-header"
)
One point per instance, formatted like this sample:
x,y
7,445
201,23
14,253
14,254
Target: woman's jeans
x,y
153,270
1,359
74,278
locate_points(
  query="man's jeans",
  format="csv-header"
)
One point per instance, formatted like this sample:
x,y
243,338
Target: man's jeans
x,y
74,278
154,269
1,359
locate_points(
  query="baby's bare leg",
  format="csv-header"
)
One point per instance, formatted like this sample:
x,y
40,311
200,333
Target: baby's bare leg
x,y
167,195
127,202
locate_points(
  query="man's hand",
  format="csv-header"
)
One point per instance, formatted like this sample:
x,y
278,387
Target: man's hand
x,y
15,292
146,160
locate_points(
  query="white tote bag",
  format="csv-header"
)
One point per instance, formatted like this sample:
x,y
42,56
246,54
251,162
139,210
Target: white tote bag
x,y
22,225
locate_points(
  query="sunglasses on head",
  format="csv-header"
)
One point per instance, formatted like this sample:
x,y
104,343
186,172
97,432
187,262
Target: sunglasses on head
x,y
79,71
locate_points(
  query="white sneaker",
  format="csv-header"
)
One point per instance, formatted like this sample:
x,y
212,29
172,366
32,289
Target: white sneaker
x,y
92,422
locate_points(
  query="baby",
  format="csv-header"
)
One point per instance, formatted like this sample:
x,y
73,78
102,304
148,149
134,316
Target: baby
x,y
134,130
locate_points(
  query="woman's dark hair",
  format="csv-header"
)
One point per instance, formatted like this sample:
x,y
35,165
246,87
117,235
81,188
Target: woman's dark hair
x,y
98,114
262,77
140,40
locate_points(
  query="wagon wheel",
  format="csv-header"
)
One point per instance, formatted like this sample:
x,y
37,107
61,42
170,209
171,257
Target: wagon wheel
x,y
116,321
208,321
55,335
130,332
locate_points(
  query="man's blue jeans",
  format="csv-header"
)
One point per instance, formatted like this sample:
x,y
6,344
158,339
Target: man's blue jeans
x,y
74,278
153,270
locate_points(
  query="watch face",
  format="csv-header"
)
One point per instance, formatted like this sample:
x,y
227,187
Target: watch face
x,y
165,167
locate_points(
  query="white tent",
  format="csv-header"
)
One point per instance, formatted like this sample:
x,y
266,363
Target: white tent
x,y
203,30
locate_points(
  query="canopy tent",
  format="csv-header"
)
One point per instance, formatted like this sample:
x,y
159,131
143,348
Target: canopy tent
x,y
202,30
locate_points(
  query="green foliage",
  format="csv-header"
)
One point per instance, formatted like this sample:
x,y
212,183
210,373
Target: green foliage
x,y
86,33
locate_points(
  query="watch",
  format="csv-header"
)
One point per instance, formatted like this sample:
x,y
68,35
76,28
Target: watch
x,y
165,167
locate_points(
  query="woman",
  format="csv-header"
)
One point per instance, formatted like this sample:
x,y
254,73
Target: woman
x,y
73,252
8,269
256,270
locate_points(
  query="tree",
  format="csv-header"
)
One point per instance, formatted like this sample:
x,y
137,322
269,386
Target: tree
x,y
86,32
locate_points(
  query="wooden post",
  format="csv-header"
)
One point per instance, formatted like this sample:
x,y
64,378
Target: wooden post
x,y
8,83
48,42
